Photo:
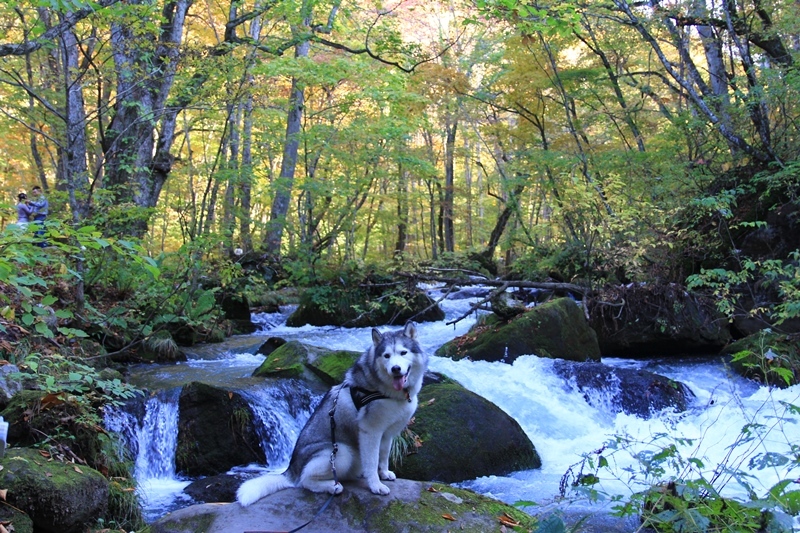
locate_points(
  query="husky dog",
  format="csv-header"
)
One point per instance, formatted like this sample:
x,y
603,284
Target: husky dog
x,y
371,407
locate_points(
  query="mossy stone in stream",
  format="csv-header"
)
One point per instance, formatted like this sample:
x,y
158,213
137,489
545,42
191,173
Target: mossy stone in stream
x,y
464,436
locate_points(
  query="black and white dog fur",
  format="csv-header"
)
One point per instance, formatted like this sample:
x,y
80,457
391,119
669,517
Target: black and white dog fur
x,y
372,406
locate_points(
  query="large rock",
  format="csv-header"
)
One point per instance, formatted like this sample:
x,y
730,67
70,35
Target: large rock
x,y
464,436
555,329
656,320
415,306
216,431
628,390
297,360
58,497
410,506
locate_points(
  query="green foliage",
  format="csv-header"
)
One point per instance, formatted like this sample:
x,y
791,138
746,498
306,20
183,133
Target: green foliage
x,y
678,493
35,278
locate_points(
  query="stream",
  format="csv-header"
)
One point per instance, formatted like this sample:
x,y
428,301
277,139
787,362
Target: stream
x,y
554,415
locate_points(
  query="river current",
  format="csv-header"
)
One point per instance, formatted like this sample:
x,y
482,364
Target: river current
x,y
735,432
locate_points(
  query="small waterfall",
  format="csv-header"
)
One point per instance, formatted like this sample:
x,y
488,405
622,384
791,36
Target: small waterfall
x,y
151,437
281,410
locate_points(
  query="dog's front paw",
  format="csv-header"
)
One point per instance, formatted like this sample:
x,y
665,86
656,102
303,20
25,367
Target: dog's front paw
x,y
379,488
387,475
336,488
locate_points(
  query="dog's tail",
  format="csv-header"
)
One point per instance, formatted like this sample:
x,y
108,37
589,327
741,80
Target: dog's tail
x,y
254,489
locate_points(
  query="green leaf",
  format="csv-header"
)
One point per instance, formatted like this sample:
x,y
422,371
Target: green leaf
x,y
42,329
49,300
72,332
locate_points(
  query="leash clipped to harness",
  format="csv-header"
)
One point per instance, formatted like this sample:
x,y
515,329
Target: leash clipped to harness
x,y
334,451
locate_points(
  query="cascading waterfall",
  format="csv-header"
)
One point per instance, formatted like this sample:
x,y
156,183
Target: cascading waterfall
x,y
562,423
151,435
282,411
152,440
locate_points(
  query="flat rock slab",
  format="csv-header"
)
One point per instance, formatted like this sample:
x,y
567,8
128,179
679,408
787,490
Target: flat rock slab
x,y
411,506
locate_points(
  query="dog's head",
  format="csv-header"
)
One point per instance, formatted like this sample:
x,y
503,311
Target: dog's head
x,y
398,353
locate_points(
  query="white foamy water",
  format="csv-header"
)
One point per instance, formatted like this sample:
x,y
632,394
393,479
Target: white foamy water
x,y
557,418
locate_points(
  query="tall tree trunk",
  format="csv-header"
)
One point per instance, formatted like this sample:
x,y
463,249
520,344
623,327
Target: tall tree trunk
x,y
402,210
451,126
136,164
285,181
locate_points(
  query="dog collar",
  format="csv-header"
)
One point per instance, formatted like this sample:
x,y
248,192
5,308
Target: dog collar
x,y
362,396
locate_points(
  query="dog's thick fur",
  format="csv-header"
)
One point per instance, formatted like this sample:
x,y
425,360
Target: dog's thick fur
x,y
394,367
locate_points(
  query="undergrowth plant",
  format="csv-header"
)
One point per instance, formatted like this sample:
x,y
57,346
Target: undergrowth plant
x,y
673,489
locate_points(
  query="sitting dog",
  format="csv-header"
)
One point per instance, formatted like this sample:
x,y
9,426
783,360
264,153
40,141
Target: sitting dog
x,y
372,406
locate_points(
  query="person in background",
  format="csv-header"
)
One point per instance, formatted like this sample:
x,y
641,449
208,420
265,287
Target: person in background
x,y
40,209
24,211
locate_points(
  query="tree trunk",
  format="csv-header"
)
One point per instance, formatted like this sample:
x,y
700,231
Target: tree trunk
x,y
284,183
451,126
137,167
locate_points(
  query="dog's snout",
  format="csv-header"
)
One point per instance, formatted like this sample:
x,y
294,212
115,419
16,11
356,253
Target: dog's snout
x,y
396,370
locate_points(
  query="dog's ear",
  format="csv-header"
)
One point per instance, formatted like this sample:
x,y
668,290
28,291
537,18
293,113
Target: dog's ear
x,y
410,330
376,336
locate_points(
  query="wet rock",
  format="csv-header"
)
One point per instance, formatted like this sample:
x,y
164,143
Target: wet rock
x,y
216,431
236,309
270,345
58,497
412,305
463,436
555,329
410,506
628,390
221,488
297,360
656,320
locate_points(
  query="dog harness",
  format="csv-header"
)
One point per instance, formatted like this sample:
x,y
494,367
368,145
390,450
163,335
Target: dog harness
x,y
362,396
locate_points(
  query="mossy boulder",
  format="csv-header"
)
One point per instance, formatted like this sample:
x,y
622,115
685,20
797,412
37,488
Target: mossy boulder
x,y
356,309
58,497
410,506
297,360
15,518
464,436
767,357
555,329
628,390
216,431
656,320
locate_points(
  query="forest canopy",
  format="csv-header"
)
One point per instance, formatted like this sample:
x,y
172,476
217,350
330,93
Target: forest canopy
x,y
360,131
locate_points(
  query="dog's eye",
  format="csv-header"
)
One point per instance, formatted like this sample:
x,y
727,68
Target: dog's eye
x,y
386,356
403,352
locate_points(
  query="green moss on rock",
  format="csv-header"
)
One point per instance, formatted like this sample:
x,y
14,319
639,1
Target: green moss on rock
x,y
287,361
442,508
331,367
555,329
297,360
464,437
58,497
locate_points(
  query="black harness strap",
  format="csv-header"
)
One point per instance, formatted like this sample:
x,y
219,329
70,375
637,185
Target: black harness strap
x,y
362,397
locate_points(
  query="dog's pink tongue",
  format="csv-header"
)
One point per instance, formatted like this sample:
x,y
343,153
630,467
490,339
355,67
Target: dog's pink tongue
x,y
399,382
